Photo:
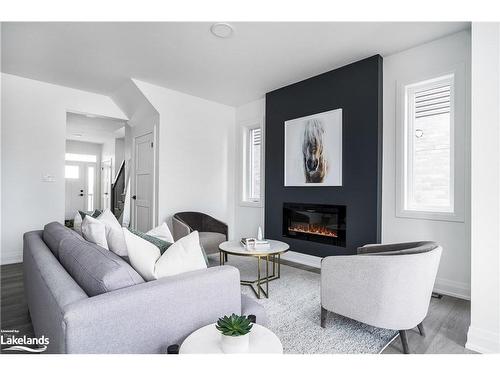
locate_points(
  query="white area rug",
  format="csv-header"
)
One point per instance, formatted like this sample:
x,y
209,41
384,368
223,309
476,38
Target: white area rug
x,y
293,309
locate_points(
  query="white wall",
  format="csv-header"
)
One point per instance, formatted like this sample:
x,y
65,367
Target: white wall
x,y
196,154
484,331
247,217
108,153
33,145
418,64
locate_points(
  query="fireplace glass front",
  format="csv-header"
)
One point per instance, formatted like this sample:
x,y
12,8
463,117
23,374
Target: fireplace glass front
x,y
315,222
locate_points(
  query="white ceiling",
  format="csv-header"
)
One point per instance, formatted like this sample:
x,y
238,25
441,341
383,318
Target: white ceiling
x,y
79,127
185,56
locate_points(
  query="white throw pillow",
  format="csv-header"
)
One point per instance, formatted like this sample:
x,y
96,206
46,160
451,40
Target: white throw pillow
x,y
162,232
141,254
114,233
77,223
94,231
183,256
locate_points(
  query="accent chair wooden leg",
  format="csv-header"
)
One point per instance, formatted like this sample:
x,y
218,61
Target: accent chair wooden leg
x,y
324,313
421,329
404,341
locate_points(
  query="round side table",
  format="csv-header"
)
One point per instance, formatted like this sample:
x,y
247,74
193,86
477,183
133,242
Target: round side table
x,y
207,340
271,255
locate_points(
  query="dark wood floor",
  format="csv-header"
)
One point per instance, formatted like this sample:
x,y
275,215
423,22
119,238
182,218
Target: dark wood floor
x,y
14,311
446,324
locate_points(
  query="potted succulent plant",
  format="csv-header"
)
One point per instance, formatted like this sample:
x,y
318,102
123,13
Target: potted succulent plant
x,y
235,331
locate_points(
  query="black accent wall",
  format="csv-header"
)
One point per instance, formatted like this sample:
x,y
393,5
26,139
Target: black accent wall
x,y
357,89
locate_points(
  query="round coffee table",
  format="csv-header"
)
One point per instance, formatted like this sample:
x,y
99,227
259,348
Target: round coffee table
x,y
207,340
271,255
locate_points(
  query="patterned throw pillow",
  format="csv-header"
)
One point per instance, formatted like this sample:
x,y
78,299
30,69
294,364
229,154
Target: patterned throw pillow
x,y
94,214
160,244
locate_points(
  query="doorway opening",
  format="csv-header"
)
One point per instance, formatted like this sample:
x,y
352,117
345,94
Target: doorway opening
x,y
95,151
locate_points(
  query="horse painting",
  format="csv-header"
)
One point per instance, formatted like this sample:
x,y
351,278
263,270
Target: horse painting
x,y
314,161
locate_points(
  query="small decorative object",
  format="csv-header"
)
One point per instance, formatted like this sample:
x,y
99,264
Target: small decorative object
x,y
248,243
235,331
259,234
313,150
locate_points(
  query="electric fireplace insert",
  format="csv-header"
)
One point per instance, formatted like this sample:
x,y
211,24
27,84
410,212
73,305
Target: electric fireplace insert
x,y
315,222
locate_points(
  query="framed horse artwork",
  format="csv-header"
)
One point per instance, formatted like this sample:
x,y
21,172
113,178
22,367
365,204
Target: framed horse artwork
x,y
313,150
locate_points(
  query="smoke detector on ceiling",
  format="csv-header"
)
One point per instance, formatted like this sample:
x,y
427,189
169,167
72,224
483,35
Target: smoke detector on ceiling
x,y
222,30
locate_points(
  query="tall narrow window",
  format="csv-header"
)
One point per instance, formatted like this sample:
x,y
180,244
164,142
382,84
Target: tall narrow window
x,y
252,167
429,146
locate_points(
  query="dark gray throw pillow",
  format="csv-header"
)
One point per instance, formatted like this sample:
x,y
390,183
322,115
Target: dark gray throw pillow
x,y
94,214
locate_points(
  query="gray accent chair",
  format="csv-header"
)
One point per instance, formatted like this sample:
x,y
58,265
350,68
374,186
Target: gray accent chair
x,y
212,231
86,299
387,286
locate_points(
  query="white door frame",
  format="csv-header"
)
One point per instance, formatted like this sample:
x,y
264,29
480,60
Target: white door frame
x,y
106,164
154,198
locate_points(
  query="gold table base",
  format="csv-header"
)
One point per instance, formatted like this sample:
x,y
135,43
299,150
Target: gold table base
x,y
256,285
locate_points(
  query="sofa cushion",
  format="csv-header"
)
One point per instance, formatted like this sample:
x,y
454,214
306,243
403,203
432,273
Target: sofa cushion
x,y
54,233
94,268
211,241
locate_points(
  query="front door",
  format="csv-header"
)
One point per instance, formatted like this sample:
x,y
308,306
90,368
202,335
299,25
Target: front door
x,y
143,182
80,187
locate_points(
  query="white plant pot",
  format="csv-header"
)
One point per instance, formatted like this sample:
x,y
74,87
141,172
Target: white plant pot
x,y
235,344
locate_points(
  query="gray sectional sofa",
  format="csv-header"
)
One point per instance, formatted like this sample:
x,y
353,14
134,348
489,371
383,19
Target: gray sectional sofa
x,y
86,299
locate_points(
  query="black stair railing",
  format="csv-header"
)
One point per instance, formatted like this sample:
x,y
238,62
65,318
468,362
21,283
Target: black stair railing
x,y
118,192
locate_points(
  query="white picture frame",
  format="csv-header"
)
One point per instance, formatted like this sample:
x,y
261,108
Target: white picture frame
x,y
313,150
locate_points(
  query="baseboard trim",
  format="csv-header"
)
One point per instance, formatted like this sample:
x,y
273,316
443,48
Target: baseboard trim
x,y
482,341
305,259
452,288
11,258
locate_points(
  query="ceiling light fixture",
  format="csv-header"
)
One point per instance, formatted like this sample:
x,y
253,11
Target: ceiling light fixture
x,y
222,30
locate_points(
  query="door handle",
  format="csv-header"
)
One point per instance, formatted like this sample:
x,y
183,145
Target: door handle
x,y
134,197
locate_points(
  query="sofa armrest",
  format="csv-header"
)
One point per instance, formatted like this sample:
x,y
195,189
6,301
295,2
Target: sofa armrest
x,y
148,317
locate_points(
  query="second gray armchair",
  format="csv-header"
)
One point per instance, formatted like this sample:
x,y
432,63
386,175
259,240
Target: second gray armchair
x,y
386,286
212,231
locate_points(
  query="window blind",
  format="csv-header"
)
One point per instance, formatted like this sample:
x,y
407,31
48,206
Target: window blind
x,y
431,102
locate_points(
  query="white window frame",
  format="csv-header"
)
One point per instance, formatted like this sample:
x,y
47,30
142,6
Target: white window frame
x,y
458,149
246,128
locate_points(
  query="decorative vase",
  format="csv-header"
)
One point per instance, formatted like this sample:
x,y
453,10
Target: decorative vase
x,y
235,344
259,234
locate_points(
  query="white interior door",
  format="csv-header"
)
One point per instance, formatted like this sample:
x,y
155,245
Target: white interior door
x,y
142,198
75,188
106,184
